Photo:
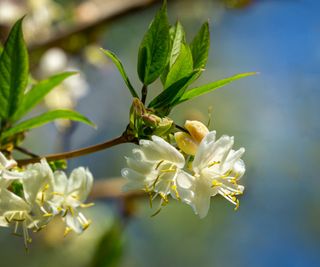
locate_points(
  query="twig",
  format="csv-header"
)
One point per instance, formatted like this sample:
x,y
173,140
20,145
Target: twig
x,y
82,151
26,152
144,93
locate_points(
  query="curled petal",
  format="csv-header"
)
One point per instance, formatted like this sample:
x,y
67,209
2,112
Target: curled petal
x,y
80,183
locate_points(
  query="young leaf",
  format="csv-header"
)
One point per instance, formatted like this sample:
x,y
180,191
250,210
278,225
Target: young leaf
x,y
200,47
119,65
169,96
13,71
182,67
38,92
177,38
154,48
44,119
192,93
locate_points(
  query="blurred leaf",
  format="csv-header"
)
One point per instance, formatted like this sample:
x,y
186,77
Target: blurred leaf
x,y
13,71
1,49
167,99
110,248
200,47
154,48
38,92
182,67
119,65
192,93
44,119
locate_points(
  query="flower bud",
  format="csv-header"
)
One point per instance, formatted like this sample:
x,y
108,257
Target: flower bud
x,y
196,129
186,143
151,120
164,127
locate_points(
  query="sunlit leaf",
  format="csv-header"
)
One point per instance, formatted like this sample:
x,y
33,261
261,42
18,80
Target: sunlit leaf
x,y
178,40
154,48
200,47
182,66
13,71
44,119
38,92
192,93
167,99
119,65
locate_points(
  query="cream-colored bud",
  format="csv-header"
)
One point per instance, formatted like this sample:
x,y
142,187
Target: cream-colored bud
x,y
186,143
196,129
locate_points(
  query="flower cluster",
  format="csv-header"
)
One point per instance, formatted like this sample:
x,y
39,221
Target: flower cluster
x,y
30,198
205,167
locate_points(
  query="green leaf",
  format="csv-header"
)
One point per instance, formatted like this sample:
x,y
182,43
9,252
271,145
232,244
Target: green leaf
x,y
177,38
13,71
170,96
119,65
200,47
44,119
38,92
182,66
192,93
154,48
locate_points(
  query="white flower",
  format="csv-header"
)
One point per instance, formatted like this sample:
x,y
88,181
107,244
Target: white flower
x,y
26,208
153,167
216,168
70,195
6,174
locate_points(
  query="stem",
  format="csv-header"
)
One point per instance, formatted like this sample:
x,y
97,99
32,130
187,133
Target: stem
x,y
25,151
181,128
144,92
82,151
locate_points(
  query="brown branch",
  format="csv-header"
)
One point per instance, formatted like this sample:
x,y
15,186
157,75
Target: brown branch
x,y
82,151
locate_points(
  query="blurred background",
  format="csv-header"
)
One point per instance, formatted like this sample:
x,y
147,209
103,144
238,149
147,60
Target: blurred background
x,y
274,115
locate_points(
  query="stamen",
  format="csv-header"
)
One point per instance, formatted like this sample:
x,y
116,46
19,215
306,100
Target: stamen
x,y
88,205
66,231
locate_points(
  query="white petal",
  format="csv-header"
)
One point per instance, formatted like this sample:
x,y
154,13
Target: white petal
x,y
201,205
136,180
11,202
139,165
73,223
185,187
209,152
37,177
7,164
159,149
232,157
80,183
60,182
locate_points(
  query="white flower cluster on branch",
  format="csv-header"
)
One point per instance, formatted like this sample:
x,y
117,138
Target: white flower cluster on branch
x,y
31,197
204,168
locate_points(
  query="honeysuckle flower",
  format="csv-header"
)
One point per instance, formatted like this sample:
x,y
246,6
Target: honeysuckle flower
x,y
70,195
27,209
216,168
153,167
